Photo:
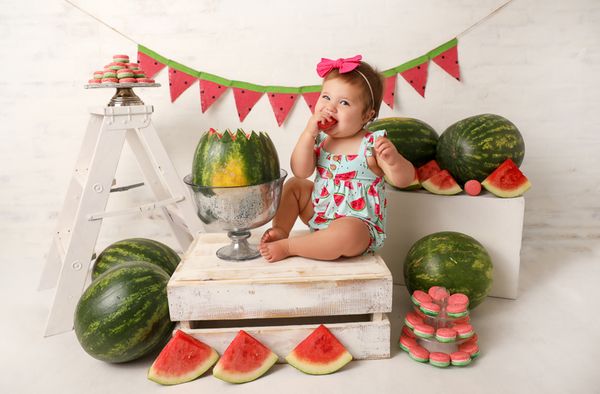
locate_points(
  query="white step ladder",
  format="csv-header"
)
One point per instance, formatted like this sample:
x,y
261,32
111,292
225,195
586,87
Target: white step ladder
x,y
84,207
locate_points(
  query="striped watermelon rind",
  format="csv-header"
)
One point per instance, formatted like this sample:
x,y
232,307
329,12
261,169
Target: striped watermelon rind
x,y
136,249
413,138
474,147
234,159
452,260
124,313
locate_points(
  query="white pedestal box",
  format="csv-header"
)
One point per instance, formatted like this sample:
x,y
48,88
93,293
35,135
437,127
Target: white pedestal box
x,y
495,222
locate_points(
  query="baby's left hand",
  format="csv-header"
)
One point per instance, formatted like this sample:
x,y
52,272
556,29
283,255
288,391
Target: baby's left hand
x,y
386,151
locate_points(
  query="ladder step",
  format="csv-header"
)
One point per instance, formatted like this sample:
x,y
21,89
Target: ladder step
x,y
139,209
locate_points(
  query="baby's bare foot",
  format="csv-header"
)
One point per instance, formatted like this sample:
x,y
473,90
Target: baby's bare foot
x,y
273,234
275,251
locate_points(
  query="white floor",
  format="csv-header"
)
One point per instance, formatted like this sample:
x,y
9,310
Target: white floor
x,y
546,341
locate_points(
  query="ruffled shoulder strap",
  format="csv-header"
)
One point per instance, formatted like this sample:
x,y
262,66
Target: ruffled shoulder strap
x,y
369,140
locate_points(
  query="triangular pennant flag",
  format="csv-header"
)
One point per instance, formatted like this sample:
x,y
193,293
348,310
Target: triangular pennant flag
x,y
209,93
448,60
245,100
150,66
282,103
311,99
417,77
389,89
179,82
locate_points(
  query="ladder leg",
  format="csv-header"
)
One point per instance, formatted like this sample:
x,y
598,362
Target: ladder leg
x,y
167,181
85,232
66,217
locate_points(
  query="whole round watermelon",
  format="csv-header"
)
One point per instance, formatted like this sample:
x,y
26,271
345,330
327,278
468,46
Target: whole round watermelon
x,y
124,313
234,159
136,249
474,147
413,138
450,259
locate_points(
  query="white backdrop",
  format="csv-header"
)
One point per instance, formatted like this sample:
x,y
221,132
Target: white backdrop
x,y
535,62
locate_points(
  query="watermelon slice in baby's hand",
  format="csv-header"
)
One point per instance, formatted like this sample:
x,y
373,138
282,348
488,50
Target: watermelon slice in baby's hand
x,y
244,360
320,353
506,181
182,360
327,124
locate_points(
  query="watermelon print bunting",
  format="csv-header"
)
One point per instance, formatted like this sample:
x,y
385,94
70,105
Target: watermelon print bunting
x,y
388,90
245,100
209,93
282,103
150,65
448,61
417,77
282,98
311,99
179,81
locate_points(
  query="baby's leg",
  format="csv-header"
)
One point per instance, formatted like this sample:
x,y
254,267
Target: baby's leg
x,y
295,202
345,236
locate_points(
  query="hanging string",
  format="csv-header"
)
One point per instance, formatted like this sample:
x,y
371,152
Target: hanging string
x,y
101,21
483,19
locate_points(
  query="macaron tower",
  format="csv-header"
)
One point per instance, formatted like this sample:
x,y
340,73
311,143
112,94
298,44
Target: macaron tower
x,y
438,330
120,70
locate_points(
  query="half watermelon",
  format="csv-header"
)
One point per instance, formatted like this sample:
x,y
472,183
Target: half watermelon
x,y
244,360
506,181
320,353
182,360
441,183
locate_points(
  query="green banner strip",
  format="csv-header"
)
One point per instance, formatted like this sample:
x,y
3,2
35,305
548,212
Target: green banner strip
x,y
248,86
411,64
152,54
282,89
310,89
442,48
183,68
214,78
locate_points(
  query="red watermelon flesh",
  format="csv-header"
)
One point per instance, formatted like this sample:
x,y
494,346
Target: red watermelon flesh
x,y
320,353
442,183
427,170
507,181
244,360
182,360
358,205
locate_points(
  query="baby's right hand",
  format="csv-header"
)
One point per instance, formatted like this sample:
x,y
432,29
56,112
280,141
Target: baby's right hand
x,y
319,121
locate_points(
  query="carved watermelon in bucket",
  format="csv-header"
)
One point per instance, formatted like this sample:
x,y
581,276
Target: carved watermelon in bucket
x,y
236,183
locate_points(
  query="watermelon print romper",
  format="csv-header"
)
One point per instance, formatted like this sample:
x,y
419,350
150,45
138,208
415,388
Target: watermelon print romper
x,y
345,186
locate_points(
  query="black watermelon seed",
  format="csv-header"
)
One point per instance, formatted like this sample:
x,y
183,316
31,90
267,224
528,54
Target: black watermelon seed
x,y
443,57
185,82
411,81
281,108
272,95
213,97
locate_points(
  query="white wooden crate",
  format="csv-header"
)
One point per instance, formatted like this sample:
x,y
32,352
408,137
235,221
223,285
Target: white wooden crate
x,y
495,222
281,303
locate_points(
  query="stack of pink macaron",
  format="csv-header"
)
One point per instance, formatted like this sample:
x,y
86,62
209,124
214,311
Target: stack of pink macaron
x,y
439,321
120,70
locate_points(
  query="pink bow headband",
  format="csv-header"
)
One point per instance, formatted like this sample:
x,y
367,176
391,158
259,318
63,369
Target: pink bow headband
x,y
345,66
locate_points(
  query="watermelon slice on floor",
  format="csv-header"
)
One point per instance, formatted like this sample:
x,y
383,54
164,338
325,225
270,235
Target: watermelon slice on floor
x,y
427,170
507,181
320,353
442,183
244,360
182,360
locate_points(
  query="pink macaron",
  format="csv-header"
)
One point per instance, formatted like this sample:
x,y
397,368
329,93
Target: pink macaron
x,y
439,359
464,330
445,335
456,310
420,297
438,293
458,298
424,330
406,331
98,74
144,80
407,342
125,73
430,309
95,80
127,80
116,65
469,347
411,319
110,80
121,59
460,359
419,353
